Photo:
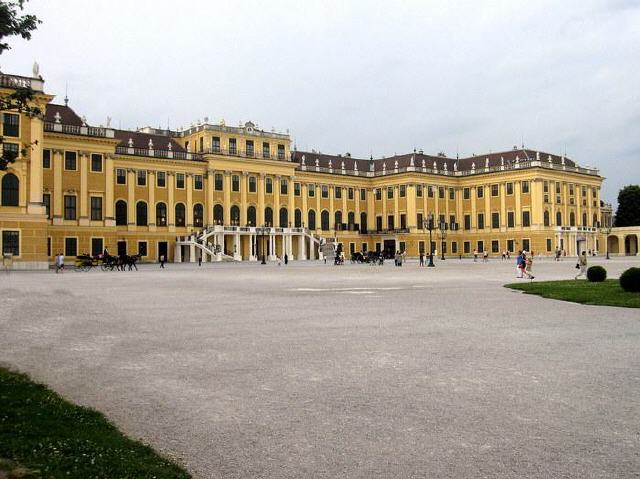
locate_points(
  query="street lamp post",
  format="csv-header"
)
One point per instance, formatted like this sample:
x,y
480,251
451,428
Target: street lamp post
x,y
428,225
606,230
262,234
443,227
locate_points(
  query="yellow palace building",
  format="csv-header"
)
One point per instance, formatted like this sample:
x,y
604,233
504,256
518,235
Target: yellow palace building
x,y
221,192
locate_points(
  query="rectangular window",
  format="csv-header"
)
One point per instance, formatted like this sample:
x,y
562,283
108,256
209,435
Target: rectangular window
x,y
452,194
511,220
548,245
96,208
494,190
403,221
466,193
311,187
180,181
69,207
161,179
215,144
571,190
97,246
49,246
454,247
11,242
480,221
378,194
557,187
46,159
10,150
441,192
421,247
495,246
379,223
510,247
266,151
403,246
142,177
233,146
441,220
495,220
252,184
217,182
390,222
480,192
545,186
235,183
389,192
249,147
71,247
430,191
526,245
121,176
268,182
46,202
467,222
420,221
284,186
525,187
70,160
281,152
338,192
403,191
526,221
296,189
325,191
201,144
363,194
509,188
96,163
419,191
11,125
546,198
466,247
480,247
142,248
197,182
350,193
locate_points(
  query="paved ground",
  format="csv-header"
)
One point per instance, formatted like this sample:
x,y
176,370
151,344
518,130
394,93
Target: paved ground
x,y
317,371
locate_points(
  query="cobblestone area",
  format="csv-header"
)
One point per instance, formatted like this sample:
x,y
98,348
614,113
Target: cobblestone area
x,y
243,370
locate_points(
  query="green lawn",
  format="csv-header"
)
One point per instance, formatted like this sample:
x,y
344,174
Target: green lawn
x,y
44,436
607,293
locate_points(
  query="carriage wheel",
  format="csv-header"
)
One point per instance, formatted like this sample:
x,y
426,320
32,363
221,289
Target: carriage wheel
x,y
86,267
104,266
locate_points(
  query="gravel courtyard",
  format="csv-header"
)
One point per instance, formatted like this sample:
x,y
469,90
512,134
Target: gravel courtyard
x,y
317,371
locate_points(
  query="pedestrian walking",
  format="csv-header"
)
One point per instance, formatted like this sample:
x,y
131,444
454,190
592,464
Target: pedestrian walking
x,y
528,268
200,260
286,259
504,255
60,263
582,265
421,258
475,255
485,256
162,260
519,260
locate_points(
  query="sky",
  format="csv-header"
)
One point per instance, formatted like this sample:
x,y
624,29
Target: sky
x,y
364,77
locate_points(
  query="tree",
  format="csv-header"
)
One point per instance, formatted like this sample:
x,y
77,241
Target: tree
x,y
13,23
628,213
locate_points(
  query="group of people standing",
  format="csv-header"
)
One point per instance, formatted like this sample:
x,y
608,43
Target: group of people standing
x,y
524,265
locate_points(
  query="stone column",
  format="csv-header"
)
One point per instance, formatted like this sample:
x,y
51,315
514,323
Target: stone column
x,y
518,208
244,179
57,187
171,207
276,202
35,205
503,207
292,205
208,185
83,219
109,219
411,207
227,197
151,212
261,193
332,214
131,199
189,207
304,191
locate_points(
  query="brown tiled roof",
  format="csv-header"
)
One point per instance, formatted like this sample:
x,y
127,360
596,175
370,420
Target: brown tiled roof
x,y
67,115
141,140
419,159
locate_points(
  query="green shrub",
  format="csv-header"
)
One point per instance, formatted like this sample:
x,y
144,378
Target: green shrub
x,y
630,280
596,274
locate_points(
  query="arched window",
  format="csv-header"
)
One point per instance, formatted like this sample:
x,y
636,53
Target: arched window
x,y
268,216
180,214
198,215
284,218
558,218
338,220
572,219
251,216
351,219
218,214
235,215
121,213
363,222
297,218
311,220
161,214
324,220
141,213
10,190
546,217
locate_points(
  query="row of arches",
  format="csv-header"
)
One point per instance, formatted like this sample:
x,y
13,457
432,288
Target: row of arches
x,y
142,216
572,219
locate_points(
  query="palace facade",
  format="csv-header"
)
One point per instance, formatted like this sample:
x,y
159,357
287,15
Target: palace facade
x,y
225,192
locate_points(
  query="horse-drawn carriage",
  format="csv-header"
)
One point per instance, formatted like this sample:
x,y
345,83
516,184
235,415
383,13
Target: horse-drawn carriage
x,y
85,262
106,262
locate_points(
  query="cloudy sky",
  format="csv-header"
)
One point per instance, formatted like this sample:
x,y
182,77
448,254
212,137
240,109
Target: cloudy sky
x,y
359,76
